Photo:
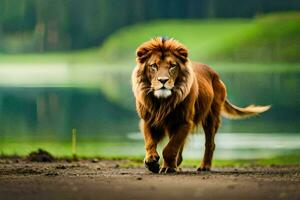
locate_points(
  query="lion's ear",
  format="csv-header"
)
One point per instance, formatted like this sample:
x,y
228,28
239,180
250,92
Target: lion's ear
x,y
182,54
142,54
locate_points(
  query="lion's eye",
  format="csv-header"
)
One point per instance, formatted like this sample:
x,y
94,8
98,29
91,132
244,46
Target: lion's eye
x,y
153,67
173,66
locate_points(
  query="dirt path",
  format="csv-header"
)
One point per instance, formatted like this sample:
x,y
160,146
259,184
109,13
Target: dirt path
x,y
117,180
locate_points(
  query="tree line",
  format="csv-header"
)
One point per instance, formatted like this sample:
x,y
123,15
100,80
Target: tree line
x,y
59,25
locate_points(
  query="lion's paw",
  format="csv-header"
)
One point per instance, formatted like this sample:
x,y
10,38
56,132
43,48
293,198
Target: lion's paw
x,y
203,169
152,164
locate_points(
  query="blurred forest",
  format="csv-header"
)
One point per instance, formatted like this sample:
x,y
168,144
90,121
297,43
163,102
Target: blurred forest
x,y
60,25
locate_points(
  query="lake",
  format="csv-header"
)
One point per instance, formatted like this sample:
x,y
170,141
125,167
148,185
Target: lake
x,y
40,104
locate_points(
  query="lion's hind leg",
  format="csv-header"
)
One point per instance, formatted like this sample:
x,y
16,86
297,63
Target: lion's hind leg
x,y
211,125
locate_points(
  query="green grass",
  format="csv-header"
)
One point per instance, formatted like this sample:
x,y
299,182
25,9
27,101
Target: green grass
x,y
64,148
278,160
269,38
275,37
113,150
80,56
202,37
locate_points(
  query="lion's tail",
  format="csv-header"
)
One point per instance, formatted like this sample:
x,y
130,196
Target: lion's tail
x,y
233,112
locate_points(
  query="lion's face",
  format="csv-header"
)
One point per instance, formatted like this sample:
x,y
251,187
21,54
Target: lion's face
x,y
162,62
162,74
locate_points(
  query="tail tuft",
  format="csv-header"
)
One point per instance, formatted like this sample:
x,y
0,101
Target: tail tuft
x,y
233,112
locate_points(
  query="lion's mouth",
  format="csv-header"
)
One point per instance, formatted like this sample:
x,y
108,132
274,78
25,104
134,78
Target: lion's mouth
x,y
162,92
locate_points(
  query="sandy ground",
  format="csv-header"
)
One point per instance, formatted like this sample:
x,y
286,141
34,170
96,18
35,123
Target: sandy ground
x,y
20,179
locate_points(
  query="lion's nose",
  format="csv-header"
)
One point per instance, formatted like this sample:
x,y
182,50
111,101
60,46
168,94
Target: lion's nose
x,y
163,80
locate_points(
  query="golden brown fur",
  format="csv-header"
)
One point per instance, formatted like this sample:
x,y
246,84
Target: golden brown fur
x,y
173,96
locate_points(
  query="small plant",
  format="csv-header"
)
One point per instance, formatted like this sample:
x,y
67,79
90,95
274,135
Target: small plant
x,y
74,141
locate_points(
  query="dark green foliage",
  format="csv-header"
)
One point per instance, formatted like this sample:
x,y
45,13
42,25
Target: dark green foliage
x,y
44,25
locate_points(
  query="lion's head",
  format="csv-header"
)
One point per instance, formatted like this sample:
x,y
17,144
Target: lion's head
x,y
163,64
163,75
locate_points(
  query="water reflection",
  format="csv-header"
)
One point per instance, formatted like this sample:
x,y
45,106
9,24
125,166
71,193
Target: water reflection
x,y
50,113
239,145
38,105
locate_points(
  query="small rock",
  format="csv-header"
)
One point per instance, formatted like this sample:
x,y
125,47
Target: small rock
x,y
95,160
139,178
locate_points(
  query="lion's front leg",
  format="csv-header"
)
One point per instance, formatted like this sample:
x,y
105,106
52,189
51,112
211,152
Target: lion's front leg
x,y
178,135
152,136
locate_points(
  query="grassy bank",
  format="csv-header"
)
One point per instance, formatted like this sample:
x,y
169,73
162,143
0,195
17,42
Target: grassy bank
x,y
138,161
270,38
80,56
274,37
118,150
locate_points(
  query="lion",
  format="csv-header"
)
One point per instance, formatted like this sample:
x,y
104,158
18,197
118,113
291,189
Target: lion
x,y
174,96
